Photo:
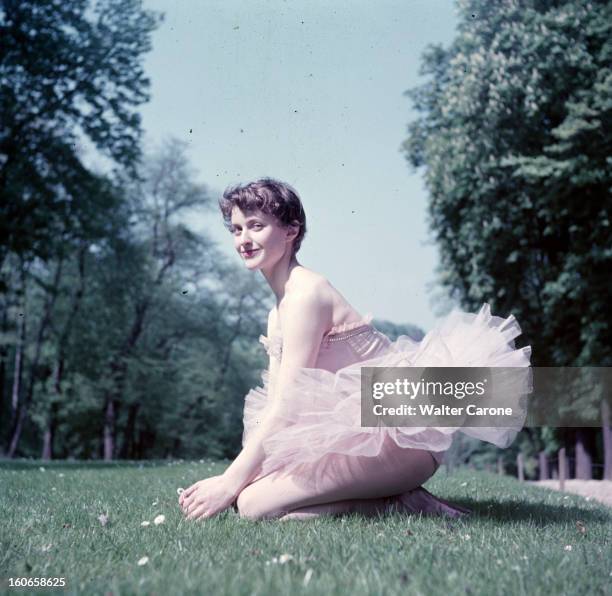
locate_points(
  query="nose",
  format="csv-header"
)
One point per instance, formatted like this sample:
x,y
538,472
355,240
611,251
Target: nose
x,y
244,238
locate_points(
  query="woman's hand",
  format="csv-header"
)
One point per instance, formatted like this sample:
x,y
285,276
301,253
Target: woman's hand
x,y
207,497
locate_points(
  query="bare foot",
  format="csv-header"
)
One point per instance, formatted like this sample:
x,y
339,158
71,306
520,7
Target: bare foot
x,y
422,501
417,500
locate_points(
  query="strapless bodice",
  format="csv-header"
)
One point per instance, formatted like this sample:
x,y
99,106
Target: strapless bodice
x,y
341,345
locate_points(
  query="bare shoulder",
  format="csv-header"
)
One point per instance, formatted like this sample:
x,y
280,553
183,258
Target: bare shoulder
x,y
338,310
307,281
305,312
307,285
309,293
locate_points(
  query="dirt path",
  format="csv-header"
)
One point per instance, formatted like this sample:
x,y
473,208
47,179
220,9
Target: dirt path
x,y
600,490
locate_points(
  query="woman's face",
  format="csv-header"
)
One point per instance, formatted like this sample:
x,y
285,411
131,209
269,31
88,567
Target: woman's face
x,y
258,238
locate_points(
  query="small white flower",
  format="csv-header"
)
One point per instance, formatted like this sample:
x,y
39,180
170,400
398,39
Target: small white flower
x,y
46,547
568,547
103,519
467,536
61,475
143,561
464,484
160,519
145,523
154,504
41,469
307,577
179,490
285,558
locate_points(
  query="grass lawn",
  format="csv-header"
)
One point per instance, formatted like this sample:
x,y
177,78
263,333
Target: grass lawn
x,y
520,540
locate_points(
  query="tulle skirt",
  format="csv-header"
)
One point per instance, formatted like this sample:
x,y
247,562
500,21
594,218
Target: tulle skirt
x,y
319,419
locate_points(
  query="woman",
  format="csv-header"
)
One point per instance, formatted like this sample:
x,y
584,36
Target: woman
x,y
305,453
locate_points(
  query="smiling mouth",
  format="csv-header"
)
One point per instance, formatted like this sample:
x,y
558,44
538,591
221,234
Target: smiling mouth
x,y
250,253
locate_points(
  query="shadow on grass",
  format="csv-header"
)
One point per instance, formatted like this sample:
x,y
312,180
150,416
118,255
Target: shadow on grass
x,y
539,514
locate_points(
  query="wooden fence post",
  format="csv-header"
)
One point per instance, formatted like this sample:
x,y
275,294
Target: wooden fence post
x,y
562,468
500,466
543,465
519,465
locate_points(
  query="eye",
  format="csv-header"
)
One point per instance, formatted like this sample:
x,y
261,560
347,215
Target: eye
x,y
257,226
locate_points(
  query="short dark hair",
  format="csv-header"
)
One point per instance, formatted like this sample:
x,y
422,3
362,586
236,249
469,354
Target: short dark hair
x,y
269,196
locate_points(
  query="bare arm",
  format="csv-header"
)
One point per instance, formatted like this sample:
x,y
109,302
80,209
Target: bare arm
x,y
304,322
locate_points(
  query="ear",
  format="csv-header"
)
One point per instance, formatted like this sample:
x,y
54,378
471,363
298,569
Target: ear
x,y
293,229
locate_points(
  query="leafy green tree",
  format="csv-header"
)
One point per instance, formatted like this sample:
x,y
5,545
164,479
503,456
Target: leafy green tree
x,y
71,72
514,133
151,340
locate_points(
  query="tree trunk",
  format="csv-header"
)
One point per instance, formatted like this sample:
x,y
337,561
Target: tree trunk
x,y
58,374
607,439
584,461
3,358
146,439
119,368
543,465
18,365
562,468
47,449
127,449
118,363
49,434
18,371
109,430
42,329
520,467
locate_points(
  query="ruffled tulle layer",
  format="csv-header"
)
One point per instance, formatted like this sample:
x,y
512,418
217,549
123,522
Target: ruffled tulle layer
x,y
319,421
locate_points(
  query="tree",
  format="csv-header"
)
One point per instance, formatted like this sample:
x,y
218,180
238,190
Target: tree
x,y
513,134
71,72
163,192
141,343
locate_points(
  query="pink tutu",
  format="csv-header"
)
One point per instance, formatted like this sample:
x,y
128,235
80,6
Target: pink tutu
x,y
320,415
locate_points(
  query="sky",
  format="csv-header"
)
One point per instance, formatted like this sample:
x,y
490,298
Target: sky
x,y
311,93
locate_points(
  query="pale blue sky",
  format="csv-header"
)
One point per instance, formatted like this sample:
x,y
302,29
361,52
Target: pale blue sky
x,y
310,93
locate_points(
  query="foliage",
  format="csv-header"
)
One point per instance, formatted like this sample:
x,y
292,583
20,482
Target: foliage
x,y
165,329
72,75
514,133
